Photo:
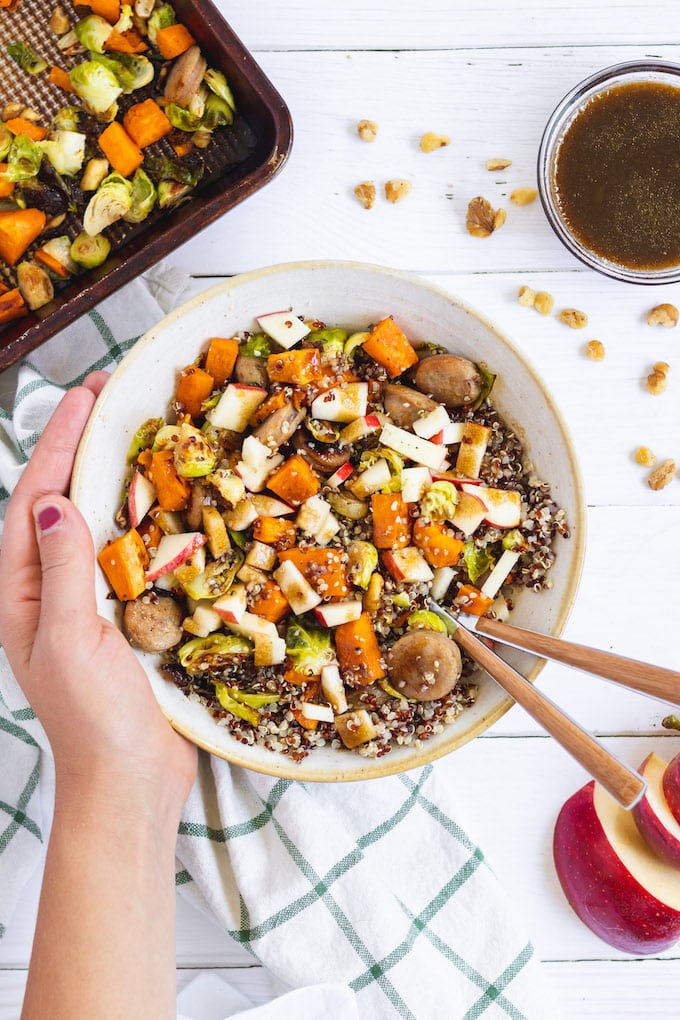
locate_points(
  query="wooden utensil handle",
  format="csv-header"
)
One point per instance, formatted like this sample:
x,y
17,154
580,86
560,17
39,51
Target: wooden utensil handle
x,y
639,676
620,781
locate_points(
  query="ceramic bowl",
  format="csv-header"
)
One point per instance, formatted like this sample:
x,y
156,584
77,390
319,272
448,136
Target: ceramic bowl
x,y
351,295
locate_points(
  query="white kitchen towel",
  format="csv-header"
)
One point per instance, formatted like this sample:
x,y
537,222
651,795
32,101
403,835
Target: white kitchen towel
x,y
373,885
208,997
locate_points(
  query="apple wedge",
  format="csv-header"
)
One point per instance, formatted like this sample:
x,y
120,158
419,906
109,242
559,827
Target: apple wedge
x,y
172,551
503,506
616,884
671,786
422,451
340,476
472,448
332,614
469,513
298,591
373,479
415,482
232,607
235,406
341,403
284,327
359,429
431,423
653,816
408,565
141,498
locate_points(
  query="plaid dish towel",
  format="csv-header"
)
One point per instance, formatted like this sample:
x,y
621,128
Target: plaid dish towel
x,y
372,885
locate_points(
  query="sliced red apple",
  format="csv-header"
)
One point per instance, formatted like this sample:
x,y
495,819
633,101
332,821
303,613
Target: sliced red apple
x,y
469,513
235,407
504,506
341,403
253,627
232,607
359,429
500,572
422,451
333,687
257,463
431,423
415,482
297,590
169,521
331,527
472,448
671,786
261,556
340,476
408,565
242,515
322,713
441,582
617,885
653,816
267,506
373,479
332,614
203,621
312,515
284,327
270,650
141,497
172,551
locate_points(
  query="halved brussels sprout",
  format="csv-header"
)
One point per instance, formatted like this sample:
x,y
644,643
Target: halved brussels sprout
x,y
96,85
424,619
26,57
90,251
182,119
194,457
162,17
254,700
143,438
362,561
125,22
66,151
201,655
143,198
309,648
161,168
131,71
477,561
92,32
111,201
216,113
23,160
488,379
515,541
333,339
230,704
171,193
323,431
439,502
6,139
258,345
67,119
353,342
35,285
217,578
217,83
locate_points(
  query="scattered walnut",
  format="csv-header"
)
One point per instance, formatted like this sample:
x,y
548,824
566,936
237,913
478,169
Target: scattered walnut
x,y
662,475
499,219
544,302
663,367
526,297
523,196
12,110
645,456
656,383
59,22
498,164
367,130
595,350
430,141
396,189
663,315
573,318
28,113
482,218
365,192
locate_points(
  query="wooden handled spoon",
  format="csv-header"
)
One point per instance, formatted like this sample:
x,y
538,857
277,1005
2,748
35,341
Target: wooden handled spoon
x,y
625,785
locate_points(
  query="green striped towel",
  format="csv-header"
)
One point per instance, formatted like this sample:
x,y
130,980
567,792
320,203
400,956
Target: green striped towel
x,y
374,885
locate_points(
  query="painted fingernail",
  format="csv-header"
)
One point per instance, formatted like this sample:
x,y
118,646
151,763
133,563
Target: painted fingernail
x,y
48,518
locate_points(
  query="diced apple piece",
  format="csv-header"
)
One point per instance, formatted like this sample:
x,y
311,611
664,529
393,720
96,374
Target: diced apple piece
x,y
329,530
617,885
452,476
408,565
429,424
340,476
359,429
323,713
503,506
269,650
422,451
261,556
267,506
251,575
333,688
415,482
355,727
298,592
452,433
312,515
469,513
341,403
284,327
169,521
235,407
215,531
332,614
232,607
172,551
671,786
141,498
252,626
441,582
652,815
257,464
204,620
472,448
499,574
192,567
228,484
371,480
242,515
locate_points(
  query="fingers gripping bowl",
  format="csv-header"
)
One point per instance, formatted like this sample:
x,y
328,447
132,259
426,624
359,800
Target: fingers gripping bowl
x,y
353,296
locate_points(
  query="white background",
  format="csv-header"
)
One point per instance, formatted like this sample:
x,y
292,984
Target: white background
x,y
488,74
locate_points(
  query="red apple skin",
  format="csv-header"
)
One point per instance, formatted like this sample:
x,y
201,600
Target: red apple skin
x,y
600,888
671,786
655,834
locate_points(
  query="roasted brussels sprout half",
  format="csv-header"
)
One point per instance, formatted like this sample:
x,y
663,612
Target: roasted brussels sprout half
x,y
96,85
89,251
66,151
205,655
26,57
110,203
131,72
143,198
92,32
194,457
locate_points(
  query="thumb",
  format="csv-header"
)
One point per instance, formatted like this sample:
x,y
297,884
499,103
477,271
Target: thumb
x,y
66,560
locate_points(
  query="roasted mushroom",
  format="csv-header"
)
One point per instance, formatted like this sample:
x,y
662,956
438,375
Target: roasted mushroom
x,y
280,426
424,665
404,404
449,379
323,457
251,371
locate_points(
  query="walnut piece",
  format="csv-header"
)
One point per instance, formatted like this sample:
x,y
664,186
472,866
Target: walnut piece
x,y
663,367
396,189
482,219
662,475
430,141
663,315
365,192
526,297
595,350
573,318
656,383
498,164
12,110
59,21
523,196
645,456
367,130
544,302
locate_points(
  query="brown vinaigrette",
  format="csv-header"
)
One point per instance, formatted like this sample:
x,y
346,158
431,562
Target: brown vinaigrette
x,y
618,175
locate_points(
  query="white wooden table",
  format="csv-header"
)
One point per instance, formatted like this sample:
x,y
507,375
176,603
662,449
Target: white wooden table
x,y
487,73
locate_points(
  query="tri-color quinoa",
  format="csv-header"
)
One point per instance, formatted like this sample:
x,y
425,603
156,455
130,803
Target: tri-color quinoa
x,y
286,526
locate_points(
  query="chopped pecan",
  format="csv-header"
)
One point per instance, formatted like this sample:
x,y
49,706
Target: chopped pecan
x,y
431,141
544,302
662,475
663,315
573,318
367,130
498,164
523,196
396,189
365,192
595,350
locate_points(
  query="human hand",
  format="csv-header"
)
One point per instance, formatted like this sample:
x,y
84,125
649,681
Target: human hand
x,y
78,672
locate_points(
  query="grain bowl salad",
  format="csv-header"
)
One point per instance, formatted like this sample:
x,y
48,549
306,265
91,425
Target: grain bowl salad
x,y
287,522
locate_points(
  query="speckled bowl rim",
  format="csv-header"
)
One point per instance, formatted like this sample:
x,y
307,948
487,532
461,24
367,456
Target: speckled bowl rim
x,y
374,768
